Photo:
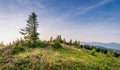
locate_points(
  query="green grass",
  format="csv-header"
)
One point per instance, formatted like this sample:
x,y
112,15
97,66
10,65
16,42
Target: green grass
x,y
66,58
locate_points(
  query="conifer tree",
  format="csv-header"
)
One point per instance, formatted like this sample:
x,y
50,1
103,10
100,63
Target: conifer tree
x,y
70,42
58,39
75,43
51,39
64,41
78,43
30,31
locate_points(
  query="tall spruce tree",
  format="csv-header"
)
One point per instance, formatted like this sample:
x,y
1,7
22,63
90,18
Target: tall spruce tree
x,y
30,31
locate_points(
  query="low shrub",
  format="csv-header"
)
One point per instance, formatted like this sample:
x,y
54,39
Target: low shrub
x,y
93,53
57,46
17,49
32,45
43,44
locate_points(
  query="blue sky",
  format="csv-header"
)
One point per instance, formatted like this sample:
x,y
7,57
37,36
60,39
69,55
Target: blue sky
x,y
84,20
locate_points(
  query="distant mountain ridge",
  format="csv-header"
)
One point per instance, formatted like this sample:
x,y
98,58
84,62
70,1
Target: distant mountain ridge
x,y
114,46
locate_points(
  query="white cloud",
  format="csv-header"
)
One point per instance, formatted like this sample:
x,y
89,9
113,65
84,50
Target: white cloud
x,y
39,4
85,10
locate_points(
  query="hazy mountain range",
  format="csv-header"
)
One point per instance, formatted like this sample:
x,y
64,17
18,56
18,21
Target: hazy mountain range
x,y
113,46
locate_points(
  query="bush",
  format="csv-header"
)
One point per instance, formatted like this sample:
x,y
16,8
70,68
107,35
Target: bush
x,y
93,53
16,50
98,50
31,44
43,44
57,46
40,44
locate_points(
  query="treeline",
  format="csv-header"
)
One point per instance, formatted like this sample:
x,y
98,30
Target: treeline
x,y
59,39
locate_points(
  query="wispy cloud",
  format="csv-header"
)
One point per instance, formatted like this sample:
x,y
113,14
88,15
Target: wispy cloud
x,y
89,8
39,4
82,10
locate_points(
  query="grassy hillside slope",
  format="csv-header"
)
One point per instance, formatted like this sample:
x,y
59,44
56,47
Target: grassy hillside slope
x,y
65,58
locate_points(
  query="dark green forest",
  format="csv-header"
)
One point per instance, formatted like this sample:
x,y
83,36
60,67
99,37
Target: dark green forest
x,y
31,53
